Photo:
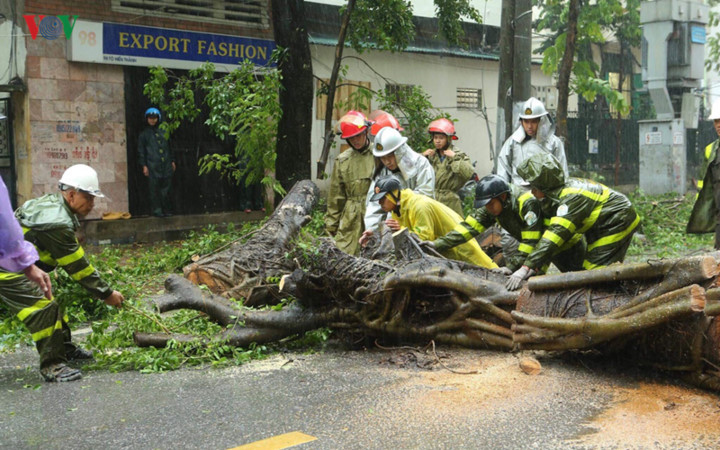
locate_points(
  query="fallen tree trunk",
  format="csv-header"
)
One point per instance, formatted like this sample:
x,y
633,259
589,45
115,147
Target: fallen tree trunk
x,y
622,308
238,269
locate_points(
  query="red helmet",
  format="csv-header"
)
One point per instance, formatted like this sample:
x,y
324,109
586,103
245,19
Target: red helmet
x,y
443,126
352,124
385,120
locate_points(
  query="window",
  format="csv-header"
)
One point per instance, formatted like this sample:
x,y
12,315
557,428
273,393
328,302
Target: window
x,y
348,95
399,92
614,80
547,95
469,98
248,13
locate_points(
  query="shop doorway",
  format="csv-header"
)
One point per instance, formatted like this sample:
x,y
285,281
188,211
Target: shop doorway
x,y
192,193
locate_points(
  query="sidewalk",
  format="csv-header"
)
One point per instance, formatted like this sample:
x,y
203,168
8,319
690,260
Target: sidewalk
x,y
153,229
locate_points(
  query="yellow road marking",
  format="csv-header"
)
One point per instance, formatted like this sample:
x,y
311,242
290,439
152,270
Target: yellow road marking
x,y
278,442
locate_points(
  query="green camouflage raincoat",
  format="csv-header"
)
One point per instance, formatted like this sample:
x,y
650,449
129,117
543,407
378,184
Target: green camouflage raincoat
x,y
704,214
605,217
349,185
451,174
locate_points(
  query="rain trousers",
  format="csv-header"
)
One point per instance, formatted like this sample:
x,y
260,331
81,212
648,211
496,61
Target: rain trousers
x,y
430,219
414,172
605,217
351,178
451,174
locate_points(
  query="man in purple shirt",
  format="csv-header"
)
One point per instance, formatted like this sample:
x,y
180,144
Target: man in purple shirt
x,y
17,254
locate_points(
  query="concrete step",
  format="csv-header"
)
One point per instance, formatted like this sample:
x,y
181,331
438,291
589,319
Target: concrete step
x,y
153,229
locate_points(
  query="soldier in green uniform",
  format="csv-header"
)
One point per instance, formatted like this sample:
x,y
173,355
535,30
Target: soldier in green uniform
x,y
605,217
49,223
349,184
518,212
452,167
705,216
158,164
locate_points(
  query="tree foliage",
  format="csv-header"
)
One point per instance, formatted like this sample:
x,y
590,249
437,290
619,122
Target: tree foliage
x,y
713,40
388,25
596,21
243,107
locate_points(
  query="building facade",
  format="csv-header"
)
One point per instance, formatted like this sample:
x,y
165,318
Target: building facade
x,y
72,90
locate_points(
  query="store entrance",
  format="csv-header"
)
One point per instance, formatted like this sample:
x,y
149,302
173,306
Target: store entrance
x,y
192,193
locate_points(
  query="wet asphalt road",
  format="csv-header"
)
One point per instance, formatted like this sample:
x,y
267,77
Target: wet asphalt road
x,y
345,399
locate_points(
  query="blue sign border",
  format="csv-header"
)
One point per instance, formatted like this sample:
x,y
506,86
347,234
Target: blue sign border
x,y
164,43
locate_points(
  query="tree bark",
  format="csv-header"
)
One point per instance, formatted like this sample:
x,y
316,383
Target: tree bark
x,y
330,106
237,269
296,96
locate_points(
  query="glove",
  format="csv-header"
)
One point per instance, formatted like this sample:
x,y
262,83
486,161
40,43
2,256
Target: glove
x,y
516,279
503,271
427,244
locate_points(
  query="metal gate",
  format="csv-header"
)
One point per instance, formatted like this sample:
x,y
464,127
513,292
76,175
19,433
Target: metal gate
x,y
191,193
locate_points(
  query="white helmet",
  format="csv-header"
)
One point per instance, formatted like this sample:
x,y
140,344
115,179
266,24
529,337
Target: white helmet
x,y
532,109
715,111
387,141
81,177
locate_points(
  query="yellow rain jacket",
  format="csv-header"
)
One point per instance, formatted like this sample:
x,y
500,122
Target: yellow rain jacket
x,y
430,219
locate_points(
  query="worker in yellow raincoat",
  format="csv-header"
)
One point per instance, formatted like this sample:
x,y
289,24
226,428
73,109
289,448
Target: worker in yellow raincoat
x,y
426,217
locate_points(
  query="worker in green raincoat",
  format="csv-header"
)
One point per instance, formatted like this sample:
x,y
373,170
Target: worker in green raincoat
x,y
518,212
425,217
452,167
158,164
49,223
605,217
705,215
349,184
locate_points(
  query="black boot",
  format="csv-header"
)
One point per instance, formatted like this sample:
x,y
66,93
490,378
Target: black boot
x,y
73,352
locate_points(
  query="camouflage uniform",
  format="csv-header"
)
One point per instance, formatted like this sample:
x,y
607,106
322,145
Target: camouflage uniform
x,y
451,174
349,184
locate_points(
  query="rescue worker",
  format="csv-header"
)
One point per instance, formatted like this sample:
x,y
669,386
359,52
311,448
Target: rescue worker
x,y
605,217
452,167
383,119
158,164
516,211
49,223
394,156
17,254
534,135
349,183
705,215
425,217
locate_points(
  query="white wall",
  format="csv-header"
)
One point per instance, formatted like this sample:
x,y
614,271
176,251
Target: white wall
x,y
439,77
489,9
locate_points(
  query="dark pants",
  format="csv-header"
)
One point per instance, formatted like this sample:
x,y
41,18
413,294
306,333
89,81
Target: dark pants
x,y
160,188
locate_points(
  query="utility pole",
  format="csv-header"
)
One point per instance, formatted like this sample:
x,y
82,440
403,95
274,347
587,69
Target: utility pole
x,y
514,74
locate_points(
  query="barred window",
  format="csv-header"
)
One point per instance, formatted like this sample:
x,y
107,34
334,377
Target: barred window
x,y
469,98
399,92
248,13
